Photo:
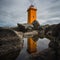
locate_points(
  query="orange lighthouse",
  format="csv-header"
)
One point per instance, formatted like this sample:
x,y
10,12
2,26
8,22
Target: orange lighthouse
x,y
31,14
32,45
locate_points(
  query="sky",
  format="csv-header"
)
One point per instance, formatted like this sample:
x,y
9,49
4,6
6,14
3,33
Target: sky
x,y
15,11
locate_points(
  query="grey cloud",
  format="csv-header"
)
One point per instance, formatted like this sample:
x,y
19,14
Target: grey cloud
x,y
54,8
52,22
15,11
53,1
12,12
51,10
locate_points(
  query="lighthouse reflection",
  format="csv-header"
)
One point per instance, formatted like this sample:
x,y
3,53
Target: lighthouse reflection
x,y
32,45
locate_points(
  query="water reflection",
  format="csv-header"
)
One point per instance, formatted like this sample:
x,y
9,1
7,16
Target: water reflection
x,y
41,45
32,45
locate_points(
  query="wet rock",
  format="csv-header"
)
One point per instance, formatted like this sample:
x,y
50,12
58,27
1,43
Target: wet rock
x,y
47,54
10,44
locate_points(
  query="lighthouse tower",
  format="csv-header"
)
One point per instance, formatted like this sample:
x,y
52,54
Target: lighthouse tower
x,y
32,45
31,14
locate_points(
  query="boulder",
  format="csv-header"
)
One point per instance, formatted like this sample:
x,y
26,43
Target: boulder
x,y
10,44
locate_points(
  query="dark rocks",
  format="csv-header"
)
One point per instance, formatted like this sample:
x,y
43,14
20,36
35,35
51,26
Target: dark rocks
x,y
25,27
10,44
47,54
36,25
56,30
53,45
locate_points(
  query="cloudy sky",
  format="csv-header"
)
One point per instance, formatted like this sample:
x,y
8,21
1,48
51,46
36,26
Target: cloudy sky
x,y
15,11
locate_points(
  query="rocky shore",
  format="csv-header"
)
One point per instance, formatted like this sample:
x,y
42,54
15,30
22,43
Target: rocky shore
x,y
10,44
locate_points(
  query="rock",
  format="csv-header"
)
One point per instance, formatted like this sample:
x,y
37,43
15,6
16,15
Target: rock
x,y
47,54
53,45
10,44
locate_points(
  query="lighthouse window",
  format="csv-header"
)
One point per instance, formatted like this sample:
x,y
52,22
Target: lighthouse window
x,y
33,16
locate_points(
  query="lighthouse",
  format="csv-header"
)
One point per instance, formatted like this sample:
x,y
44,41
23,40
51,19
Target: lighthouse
x,y
31,14
32,45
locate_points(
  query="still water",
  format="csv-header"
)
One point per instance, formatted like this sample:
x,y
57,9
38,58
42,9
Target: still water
x,y
41,45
